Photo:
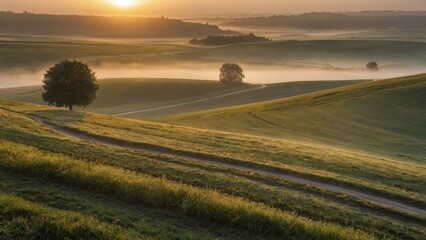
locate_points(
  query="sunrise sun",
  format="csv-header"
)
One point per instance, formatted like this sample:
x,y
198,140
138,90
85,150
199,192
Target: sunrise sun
x,y
124,3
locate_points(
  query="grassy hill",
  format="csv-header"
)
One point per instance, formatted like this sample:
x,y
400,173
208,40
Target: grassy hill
x,y
120,95
113,192
385,117
336,21
336,54
129,94
394,34
102,26
35,53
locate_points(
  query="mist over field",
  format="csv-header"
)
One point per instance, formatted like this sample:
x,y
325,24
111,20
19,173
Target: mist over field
x,y
338,53
254,73
201,119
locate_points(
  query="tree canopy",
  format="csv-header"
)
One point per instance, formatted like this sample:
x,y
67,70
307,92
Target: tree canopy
x,y
231,73
224,40
373,66
70,83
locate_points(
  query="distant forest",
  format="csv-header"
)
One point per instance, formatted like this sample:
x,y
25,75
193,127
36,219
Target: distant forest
x,y
338,21
104,27
224,40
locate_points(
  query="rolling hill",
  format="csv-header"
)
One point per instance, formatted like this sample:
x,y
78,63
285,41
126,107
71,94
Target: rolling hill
x,y
37,53
385,117
336,21
127,94
33,53
129,179
132,94
103,27
325,54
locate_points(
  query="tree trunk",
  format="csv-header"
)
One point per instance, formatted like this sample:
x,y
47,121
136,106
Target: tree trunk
x,y
70,107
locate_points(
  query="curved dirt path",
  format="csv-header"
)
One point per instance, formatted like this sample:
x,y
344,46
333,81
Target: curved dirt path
x,y
188,103
364,196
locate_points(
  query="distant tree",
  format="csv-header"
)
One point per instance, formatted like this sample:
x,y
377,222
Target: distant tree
x,y
224,40
69,84
231,73
373,66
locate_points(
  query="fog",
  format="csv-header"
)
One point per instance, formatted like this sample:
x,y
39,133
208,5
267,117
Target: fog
x,y
254,73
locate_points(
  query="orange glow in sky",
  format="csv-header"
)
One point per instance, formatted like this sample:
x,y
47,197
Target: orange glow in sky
x,y
203,7
124,3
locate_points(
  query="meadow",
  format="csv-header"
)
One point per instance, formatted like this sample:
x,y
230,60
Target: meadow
x,y
35,52
122,95
384,117
201,199
332,54
140,180
118,26
24,59
223,168
343,21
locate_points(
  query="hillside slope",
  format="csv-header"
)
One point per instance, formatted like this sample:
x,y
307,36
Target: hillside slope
x,y
103,27
325,54
132,94
383,117
149,180
127,94
336,21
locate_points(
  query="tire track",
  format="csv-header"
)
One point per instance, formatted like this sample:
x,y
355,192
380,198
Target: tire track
x,y
360,195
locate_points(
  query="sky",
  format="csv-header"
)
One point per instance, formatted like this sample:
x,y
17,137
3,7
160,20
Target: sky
x,y
205,7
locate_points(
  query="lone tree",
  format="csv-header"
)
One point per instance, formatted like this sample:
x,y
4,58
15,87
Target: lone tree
x,y
231,73
69,84
373,66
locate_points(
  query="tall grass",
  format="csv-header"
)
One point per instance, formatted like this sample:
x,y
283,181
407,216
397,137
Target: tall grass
x,y
368,173
379,176
161,193
20,219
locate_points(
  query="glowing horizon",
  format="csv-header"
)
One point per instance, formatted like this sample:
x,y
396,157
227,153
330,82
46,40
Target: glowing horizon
x,y
204,7
124,3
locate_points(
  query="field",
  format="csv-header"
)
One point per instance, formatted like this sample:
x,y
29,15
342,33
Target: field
x,y
156,180
337,54
179,158
277,61
383,117
33,53
131,94
103,26
406,35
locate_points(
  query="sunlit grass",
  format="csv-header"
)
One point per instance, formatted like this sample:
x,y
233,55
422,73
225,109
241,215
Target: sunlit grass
x,y
20,219
162,193
305,201
363,171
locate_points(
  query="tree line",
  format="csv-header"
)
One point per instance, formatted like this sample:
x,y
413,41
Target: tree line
x,y
225,40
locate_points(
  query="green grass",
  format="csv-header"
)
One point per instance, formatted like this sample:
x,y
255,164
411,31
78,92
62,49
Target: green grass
x,y
26,136
30,54
383,176
20,219
346,54
128,94
160,193
393,34
379,175
381,118
26,52
218,197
